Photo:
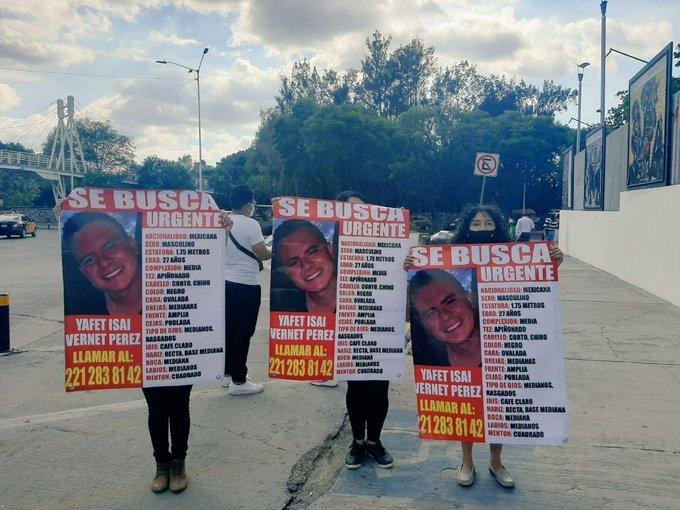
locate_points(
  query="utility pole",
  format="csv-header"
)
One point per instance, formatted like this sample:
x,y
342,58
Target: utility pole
x,y
581,67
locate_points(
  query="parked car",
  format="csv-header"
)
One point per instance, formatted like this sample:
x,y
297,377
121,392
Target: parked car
x,y
17,225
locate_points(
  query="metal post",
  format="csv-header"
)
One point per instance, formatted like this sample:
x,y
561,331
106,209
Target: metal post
x,y
578,121
4,322
200,152
481,197
603,44
603,56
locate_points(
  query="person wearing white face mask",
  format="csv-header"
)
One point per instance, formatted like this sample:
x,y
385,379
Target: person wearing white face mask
x,y
244,254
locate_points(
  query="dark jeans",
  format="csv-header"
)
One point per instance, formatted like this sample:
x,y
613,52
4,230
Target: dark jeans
x,y
242,304
524,236
168,405
367,405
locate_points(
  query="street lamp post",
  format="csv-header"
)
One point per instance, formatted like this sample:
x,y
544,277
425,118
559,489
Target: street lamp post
x,y
581,67
198,89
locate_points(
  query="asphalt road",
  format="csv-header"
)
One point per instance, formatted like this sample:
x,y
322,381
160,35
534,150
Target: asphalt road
x,y
285,447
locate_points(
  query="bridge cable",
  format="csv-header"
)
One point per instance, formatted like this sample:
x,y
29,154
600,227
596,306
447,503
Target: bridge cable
x,y
25,117
93,75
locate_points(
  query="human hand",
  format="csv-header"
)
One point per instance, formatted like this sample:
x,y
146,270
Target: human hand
x,y
556,254
226,221
409,262
58,208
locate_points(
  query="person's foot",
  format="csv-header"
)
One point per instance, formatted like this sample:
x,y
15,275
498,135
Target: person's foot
x,y
178,476
502,476
332,383
355,456
162,479
377,452
246,388
226,381
466,475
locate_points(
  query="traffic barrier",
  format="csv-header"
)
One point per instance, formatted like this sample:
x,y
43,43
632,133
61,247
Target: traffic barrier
x,y
4,322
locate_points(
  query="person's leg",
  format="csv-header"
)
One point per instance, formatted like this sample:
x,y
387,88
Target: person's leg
x,y
180,423
158,430
356,410
246,308
158,422
497,469
229,321
466,471
467,454
357,419
376,404
180,420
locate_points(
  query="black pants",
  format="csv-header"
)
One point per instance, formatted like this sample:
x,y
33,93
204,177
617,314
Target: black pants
x,y
168,405
524,237
367,405
242,304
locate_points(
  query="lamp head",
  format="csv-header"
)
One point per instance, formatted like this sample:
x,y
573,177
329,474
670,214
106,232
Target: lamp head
x,y
161,61
583,65
205,50
603,7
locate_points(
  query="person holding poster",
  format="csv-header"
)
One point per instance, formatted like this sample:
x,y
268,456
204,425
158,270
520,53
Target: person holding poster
x,y
367,403
245,252
104,285
445,312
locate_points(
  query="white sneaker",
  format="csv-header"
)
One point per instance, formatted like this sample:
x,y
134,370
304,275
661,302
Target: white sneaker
x,y
247,388
226,381
332,383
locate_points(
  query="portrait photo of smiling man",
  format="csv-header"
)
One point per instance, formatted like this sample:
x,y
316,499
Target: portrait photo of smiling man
x,y
305,267
103,275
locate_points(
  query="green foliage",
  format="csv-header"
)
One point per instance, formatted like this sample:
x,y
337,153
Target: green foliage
x,y
18,188
393,82
158,173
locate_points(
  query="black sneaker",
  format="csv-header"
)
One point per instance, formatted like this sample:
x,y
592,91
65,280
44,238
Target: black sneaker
x,y
355,456
381,456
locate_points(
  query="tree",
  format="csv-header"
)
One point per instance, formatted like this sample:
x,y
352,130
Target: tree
x,y
103,146
158,173
18,188
375,80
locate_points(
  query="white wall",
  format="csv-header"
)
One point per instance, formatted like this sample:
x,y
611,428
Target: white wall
x,y
640,243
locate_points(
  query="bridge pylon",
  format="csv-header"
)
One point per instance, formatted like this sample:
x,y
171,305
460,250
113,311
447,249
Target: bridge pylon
x,y
71,164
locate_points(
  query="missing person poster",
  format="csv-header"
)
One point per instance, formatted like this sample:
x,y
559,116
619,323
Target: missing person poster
x,y
143,288
338,290
486,333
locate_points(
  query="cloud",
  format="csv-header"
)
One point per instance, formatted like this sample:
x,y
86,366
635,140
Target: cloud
x,y
162,118
8,98
173,39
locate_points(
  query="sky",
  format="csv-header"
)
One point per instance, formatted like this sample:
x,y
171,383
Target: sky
x,y
103,52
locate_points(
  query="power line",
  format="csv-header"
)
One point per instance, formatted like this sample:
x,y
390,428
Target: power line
x,y
93,75
139,98
220,92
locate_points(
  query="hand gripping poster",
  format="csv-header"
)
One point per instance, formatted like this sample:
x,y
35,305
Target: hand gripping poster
x,y
338,290
143,288
487,344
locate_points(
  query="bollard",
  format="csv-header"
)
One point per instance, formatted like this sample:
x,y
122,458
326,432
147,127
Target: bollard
x,y
4,322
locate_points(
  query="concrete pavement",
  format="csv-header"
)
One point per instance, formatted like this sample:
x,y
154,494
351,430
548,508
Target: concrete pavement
x,y
285,447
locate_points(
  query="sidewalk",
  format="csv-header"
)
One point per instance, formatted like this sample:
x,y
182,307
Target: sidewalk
x,y
285,447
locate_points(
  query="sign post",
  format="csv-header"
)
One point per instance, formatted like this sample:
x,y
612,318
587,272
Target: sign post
x,y
486,165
